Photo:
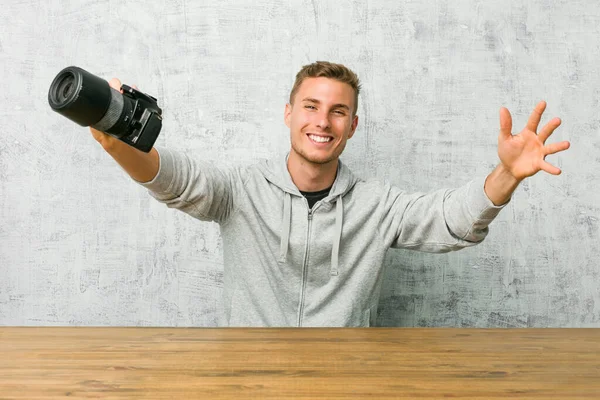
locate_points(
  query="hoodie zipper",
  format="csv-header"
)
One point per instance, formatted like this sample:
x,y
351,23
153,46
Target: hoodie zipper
x,y
304,267
305,264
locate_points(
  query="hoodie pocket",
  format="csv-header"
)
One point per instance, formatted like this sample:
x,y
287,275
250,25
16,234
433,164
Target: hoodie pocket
x,y
242,312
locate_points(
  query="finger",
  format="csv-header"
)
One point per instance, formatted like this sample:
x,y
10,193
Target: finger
x,y
549,128
505,123
98,135
549,168
536,115
556,147
115,84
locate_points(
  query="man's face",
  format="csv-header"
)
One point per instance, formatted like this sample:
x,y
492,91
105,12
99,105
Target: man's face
x,y
321,119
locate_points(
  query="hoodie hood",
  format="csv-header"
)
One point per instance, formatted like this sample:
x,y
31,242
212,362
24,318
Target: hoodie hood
x,y
277,173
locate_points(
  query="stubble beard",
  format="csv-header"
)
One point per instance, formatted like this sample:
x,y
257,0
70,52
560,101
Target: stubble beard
x,y
315,160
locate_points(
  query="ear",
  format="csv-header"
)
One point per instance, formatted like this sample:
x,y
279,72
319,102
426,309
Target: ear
x,y
287,115
353,127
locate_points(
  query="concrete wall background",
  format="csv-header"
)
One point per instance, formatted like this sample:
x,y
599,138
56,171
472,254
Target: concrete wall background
x,y
81,244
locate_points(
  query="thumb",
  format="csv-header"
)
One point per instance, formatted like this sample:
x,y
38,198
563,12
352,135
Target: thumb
x,y
115,84
505,123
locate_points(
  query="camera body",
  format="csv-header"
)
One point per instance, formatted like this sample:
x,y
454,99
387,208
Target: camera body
x,y
144,120
132,116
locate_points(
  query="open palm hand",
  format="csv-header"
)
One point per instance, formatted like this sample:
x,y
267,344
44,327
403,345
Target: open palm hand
x,y
524,154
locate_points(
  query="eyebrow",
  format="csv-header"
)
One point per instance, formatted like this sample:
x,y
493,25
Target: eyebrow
x,y
339,105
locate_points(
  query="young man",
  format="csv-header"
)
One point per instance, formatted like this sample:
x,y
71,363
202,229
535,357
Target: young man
x,y
304,239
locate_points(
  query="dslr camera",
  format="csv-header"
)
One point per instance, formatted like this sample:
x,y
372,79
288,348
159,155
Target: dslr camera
x,y
132,117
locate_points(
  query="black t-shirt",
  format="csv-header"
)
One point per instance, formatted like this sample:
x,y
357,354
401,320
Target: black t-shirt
x,y
313,197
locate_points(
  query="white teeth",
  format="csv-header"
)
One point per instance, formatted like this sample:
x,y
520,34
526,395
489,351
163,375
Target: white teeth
x,y
320,139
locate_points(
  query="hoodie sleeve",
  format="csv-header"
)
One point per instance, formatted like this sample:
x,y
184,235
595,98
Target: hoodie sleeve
x,y
195,187
440,221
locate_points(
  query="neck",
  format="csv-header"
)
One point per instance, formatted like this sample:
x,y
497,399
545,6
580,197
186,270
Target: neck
x,y
311,177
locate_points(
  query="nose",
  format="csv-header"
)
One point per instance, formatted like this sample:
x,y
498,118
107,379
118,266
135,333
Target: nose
x,y
322,121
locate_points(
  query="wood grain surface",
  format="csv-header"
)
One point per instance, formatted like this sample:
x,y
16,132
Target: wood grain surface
x,y
307,363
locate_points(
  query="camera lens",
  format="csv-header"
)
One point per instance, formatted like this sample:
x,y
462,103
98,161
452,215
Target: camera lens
x,y
89,100
64,88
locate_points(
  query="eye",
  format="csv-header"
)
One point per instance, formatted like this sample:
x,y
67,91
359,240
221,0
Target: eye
x,y
339,112
310,107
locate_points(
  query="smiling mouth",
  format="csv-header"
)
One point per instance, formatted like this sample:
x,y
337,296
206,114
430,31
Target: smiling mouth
x,y
319,139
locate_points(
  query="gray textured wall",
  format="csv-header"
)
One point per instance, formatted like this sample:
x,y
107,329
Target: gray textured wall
x,y
81,244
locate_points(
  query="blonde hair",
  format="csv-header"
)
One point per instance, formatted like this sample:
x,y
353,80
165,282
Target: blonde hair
x,y
327,69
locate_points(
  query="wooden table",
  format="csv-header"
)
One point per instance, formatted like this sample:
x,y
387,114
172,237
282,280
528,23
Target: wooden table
x,y
307,363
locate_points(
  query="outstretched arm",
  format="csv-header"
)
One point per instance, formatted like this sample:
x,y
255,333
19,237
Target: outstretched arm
x,y
521,155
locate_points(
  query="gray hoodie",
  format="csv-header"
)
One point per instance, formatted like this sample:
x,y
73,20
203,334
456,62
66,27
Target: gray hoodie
x,y
286,265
